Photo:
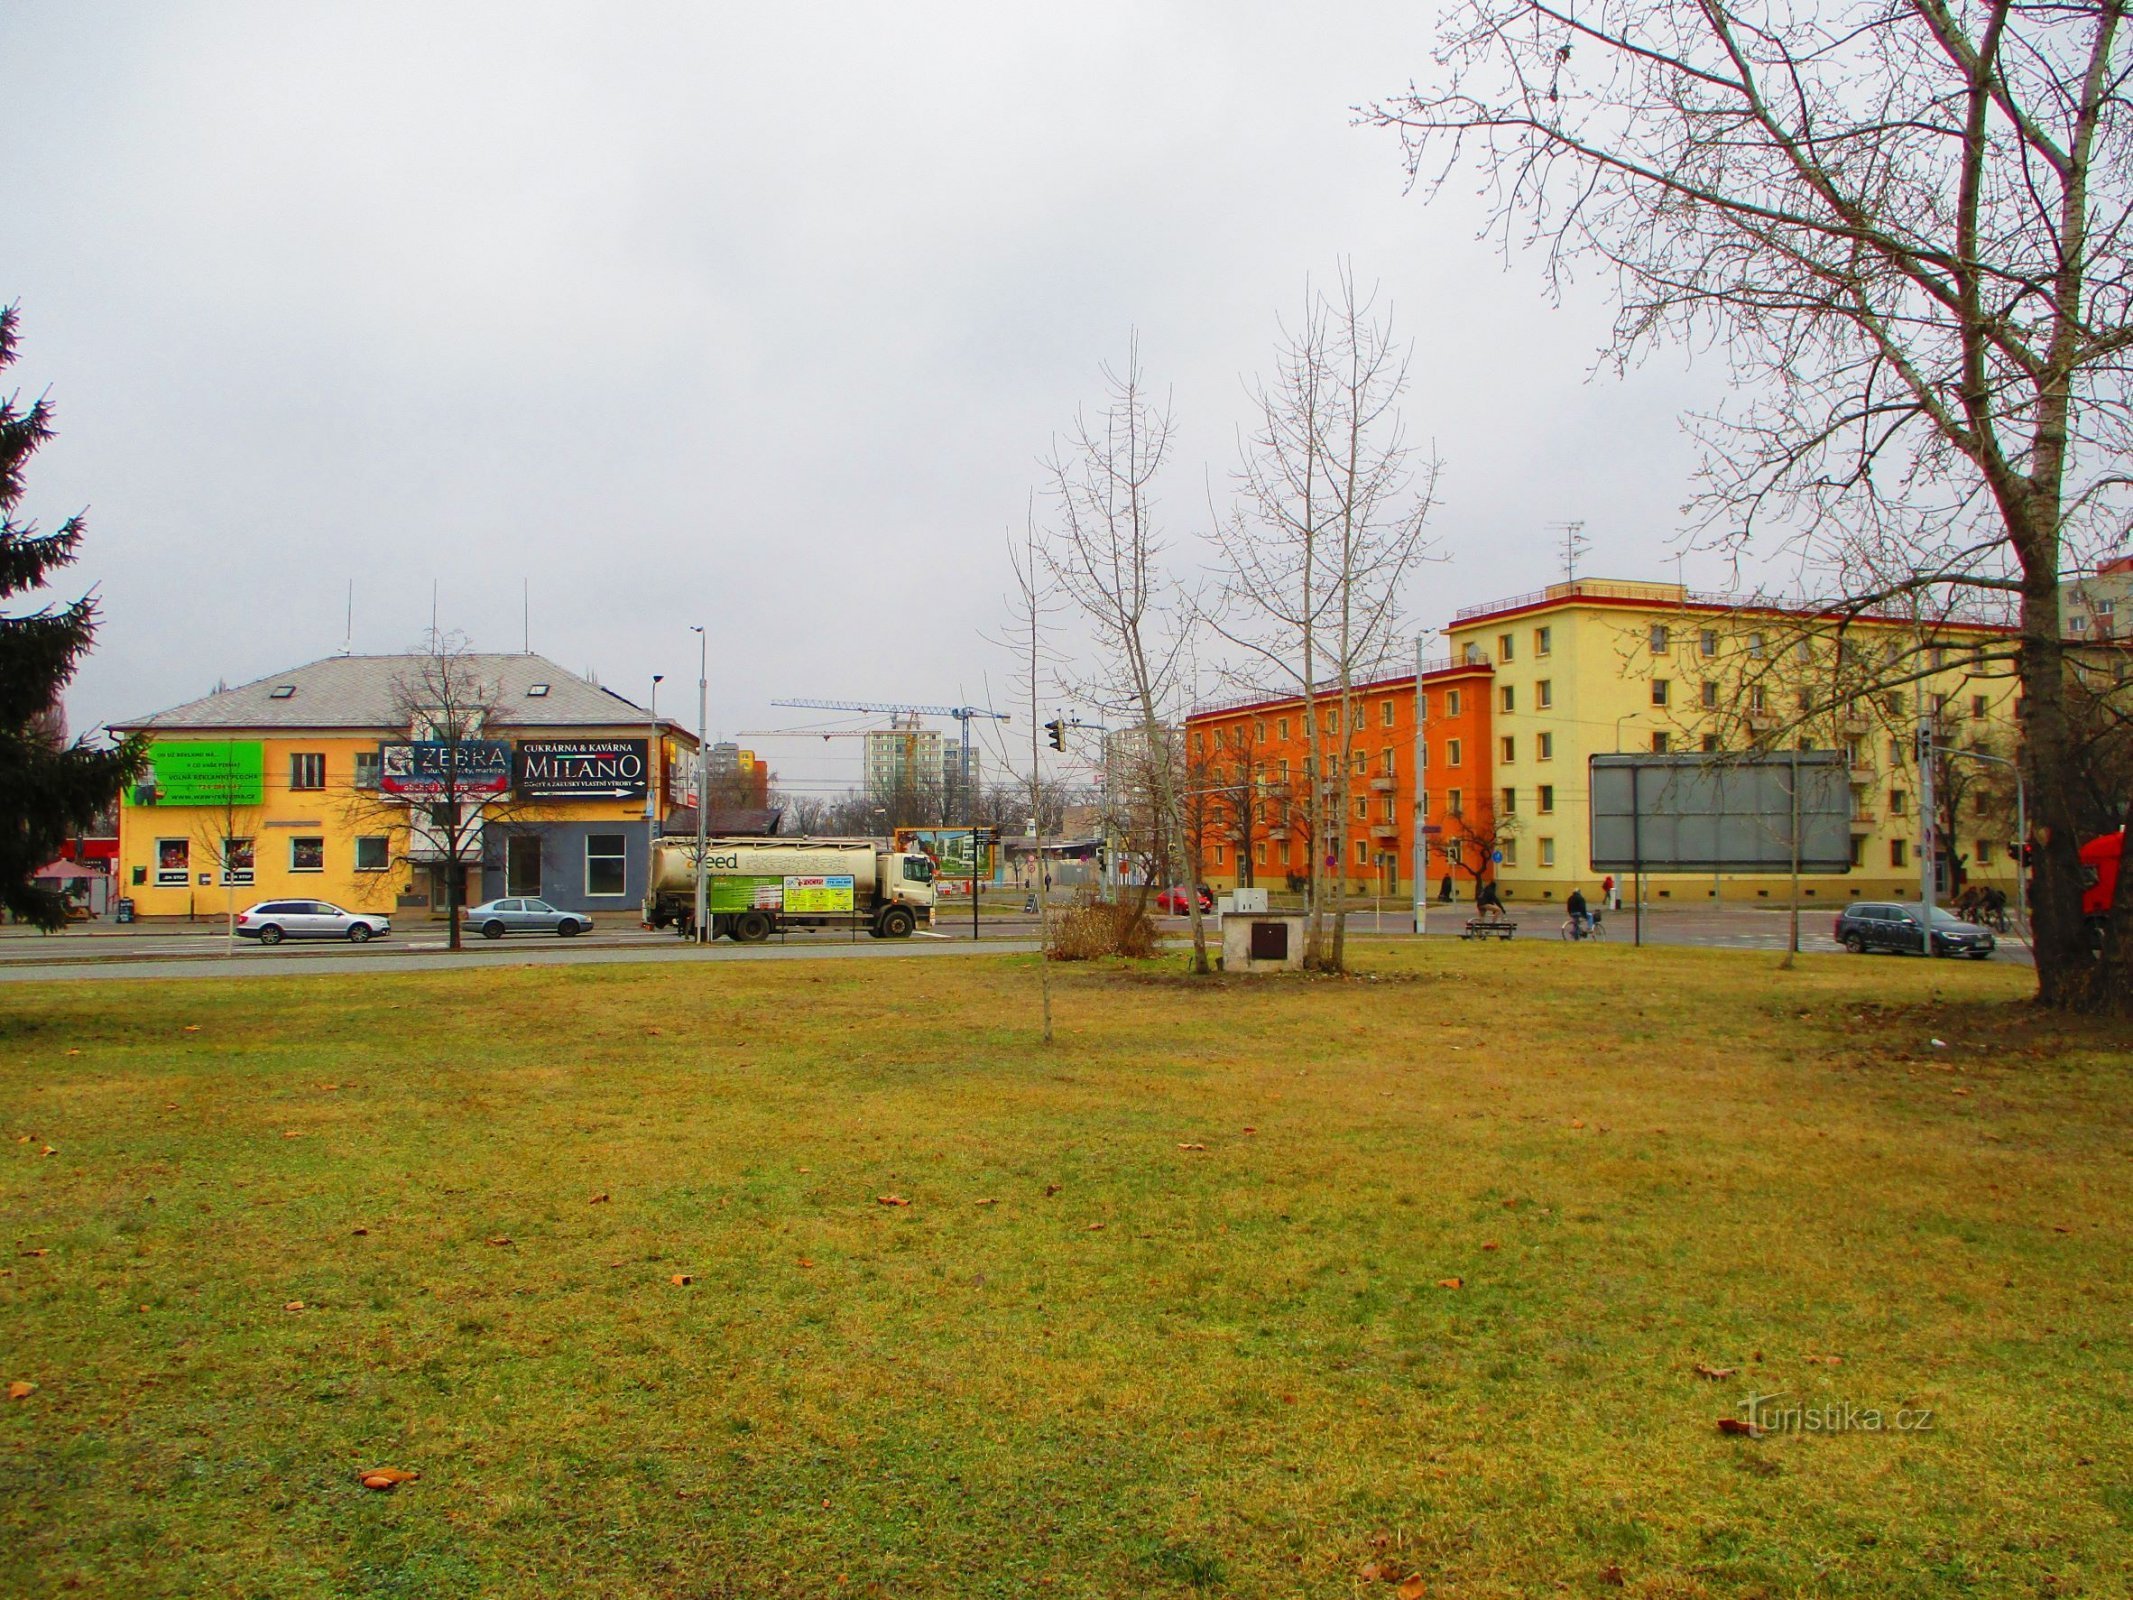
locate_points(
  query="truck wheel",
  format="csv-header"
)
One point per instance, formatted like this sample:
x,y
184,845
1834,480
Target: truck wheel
x,y
752,927
897,922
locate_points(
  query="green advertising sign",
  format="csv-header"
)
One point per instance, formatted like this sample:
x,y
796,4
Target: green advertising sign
x,y
203,772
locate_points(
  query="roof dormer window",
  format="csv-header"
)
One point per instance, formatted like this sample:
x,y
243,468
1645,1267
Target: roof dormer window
x,y
536,691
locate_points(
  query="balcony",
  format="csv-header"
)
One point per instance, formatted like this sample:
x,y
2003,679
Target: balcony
x,y
1383,785
1384,830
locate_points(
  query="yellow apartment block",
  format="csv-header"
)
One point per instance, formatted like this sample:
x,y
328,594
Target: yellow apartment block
x,y
1592,667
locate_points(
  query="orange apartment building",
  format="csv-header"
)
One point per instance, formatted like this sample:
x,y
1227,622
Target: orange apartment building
x,y
1248,761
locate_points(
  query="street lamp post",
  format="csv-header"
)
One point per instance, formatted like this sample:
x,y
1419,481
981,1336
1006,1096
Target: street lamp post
x,y
653,778
703,782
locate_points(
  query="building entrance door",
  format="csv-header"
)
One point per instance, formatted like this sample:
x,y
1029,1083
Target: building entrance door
x,y
522,864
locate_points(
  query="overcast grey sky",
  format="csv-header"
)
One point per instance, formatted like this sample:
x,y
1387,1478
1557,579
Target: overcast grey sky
x,y
755,316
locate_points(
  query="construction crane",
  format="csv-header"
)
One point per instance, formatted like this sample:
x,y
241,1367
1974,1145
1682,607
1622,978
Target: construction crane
x,y
962,714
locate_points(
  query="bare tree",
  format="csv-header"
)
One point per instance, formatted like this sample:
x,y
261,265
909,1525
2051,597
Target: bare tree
x,y
1035,662
1906,225
1472,835
1334,504
226,832
1106,556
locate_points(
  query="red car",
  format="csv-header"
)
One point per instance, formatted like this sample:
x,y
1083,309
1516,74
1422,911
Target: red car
x,y
1173,900
2101,859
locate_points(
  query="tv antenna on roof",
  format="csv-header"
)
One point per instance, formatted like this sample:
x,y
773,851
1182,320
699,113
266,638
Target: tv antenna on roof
x,y
1575,544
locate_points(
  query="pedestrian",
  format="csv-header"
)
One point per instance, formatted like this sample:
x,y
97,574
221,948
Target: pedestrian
x,y
1487,900
1608,897
1444,889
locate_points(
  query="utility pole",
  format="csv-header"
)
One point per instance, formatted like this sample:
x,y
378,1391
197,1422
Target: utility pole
x,y
703,783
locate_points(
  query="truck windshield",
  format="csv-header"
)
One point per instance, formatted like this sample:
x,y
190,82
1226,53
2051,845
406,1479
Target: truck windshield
x,y
918,869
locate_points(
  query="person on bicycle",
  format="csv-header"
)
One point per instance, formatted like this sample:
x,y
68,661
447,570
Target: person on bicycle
x,y
1580,918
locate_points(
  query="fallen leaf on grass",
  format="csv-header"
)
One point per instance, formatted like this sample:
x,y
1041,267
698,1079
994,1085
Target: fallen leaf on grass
x,y
1051,1188
22,1138
1096,1227
890,1200
292,1305
1490,1244
1959,1091
805,1262
21,1389
38,1252
1251,1130
656,1033
192,1027
1734,1425
387,1479
599,1199
681,1280
1192,1147
2060,1227
502,1241
291,1133
1577,1122
172,1106
48,1151
1372,1572
987,1201
1451,1283
359,1232
73,1052
1611,1575
1412,1587
1715,1374
1827,1361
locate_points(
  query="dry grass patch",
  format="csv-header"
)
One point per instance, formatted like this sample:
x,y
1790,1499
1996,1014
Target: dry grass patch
x,y
602,1253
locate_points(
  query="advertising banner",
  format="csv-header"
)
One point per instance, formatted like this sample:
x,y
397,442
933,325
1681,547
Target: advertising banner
x,y
814,896
582,769
203,772
426,769
734,893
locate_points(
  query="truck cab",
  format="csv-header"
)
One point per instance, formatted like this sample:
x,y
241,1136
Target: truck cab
x,y
908,880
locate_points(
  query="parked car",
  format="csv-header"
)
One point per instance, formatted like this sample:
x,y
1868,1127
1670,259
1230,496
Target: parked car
x,y
1173,900
1880,925
495,918
272,921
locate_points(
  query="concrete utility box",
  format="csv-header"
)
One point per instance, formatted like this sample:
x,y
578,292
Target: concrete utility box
x,y
1260,943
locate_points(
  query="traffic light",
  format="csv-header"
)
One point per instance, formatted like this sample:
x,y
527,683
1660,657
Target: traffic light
x,y
1057,729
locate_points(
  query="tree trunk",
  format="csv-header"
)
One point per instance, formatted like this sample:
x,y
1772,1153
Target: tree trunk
x,y
2066,971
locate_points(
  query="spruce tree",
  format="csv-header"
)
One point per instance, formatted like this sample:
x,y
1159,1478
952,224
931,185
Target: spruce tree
x,y
48,787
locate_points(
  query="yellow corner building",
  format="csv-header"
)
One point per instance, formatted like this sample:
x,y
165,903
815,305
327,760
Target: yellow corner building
x,y
277,789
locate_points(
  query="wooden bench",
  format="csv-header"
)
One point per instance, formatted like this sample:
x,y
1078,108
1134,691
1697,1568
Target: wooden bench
x,y
1489,928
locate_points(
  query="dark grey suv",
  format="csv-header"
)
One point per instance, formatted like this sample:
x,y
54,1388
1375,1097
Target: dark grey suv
x,y
1881,925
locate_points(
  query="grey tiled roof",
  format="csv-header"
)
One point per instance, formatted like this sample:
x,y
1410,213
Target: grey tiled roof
x,y
363,692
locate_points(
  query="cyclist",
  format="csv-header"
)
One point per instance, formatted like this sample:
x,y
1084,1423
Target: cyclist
x,y
1580,919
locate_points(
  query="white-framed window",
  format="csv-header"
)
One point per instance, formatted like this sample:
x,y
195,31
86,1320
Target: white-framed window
x,y
1547,852
174,863
373,853
1451,702
1509,696
1544,694
1898,855
1455,802
1710,694
1509,847
1755,645
1510,749
1544,798
1390,761
366,769
307,854
1661,742
1451,752
1662,692
1543,640
307,769
236,861
1662,639
1362,853
1385,713
1984,852
1504,647
1508,804
606,864
1707,643
1544,747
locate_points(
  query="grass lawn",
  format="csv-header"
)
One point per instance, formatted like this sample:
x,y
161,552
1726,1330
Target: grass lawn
x,y
1089,1357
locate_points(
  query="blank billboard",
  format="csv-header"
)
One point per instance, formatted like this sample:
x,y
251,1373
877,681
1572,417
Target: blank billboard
x,y
1720,813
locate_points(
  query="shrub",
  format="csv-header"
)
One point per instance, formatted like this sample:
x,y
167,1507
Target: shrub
x,y
1091,929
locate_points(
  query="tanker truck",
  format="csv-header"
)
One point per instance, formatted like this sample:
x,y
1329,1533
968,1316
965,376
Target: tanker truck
x,y
757,887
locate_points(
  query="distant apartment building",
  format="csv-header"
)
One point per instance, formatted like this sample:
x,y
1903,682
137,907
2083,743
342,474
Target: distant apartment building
x,y
917,774
2098,606
1536,685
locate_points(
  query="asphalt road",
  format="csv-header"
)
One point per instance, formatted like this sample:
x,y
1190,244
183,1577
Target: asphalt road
x,y
296,961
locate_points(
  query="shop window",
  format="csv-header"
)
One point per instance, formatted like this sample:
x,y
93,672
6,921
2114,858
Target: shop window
x,y
366,769
1545,798
1547,852
236,862
307,855
1543,640
307,770
373,852
1544,747
174,863
606,863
